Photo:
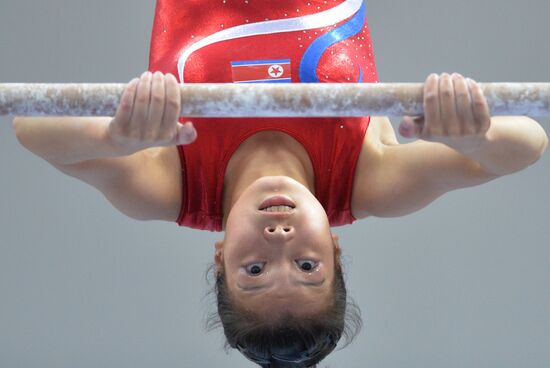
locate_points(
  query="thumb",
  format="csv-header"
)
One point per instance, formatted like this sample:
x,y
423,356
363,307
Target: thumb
x,y
186,133
411,127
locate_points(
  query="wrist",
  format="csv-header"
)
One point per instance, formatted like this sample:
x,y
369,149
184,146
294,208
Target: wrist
x,y
109,146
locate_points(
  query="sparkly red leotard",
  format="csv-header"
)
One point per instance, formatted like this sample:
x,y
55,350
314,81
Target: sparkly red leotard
x,y
262,41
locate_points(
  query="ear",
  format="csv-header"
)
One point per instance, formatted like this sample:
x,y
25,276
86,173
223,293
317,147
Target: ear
x,y
218,258
336,242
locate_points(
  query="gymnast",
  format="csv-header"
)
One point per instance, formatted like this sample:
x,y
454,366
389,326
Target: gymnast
x,y
276,186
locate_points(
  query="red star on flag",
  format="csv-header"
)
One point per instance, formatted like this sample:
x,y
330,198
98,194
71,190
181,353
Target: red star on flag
x,y
275,71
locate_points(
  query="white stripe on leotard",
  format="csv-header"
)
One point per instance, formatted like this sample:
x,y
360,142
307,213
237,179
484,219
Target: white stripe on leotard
x,y
318,20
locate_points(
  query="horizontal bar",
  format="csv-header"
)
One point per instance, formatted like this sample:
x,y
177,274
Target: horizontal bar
x,y
266,99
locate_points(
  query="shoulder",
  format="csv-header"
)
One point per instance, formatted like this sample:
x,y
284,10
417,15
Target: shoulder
x,y
153,190
156,187
169,159
380,133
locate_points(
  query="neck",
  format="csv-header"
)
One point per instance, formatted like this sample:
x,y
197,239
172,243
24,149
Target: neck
x,y
260,157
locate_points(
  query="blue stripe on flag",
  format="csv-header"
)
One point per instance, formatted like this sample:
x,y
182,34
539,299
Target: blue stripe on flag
x,y
260,62
284,80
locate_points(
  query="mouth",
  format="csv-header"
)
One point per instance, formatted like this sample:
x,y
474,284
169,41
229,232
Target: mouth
x,y
277,212
278,209
277,204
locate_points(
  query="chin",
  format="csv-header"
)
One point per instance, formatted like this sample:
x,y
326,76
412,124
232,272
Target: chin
x,y
277,182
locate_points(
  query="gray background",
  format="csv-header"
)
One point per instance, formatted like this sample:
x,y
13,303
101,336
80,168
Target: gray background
x,y
462,283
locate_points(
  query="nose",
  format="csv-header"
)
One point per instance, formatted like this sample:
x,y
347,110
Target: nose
x,y
280,232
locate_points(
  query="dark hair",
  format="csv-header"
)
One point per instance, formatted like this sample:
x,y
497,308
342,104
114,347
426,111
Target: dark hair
x,y
268,341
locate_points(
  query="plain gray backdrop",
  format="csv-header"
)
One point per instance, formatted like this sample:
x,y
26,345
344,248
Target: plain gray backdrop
x,y
461,283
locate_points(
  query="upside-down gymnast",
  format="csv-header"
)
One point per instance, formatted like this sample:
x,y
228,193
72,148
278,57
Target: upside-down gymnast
x,y
276,186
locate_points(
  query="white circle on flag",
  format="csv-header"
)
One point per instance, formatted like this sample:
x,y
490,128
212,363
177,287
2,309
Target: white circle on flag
x,y
275,71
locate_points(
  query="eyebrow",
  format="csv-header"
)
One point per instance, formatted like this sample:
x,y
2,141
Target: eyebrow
x,y
259,287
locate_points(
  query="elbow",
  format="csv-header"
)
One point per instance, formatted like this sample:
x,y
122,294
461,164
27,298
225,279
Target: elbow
x,y
539,140
533,145
542,142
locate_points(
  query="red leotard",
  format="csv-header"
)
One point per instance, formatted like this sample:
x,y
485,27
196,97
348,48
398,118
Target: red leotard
x,y
251,41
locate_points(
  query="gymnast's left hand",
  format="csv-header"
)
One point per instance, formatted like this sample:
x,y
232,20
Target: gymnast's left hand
x,y
456,112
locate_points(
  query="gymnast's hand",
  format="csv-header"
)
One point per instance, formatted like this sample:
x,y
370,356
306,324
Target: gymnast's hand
x,y
456,112
148,115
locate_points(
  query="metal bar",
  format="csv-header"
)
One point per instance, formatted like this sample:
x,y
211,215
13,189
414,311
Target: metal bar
x,y
267,100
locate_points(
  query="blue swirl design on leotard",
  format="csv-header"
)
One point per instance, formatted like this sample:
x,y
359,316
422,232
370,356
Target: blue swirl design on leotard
x,y
321,19
310,60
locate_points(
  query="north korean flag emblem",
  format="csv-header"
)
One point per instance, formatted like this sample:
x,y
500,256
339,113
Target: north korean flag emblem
x,y
261,71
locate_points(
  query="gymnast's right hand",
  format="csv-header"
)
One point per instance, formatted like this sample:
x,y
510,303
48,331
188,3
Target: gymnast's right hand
x,y
148,115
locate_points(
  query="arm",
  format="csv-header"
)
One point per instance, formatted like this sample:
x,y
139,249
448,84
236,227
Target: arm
x,y
512,144
66,140
143,185
121,157
403,178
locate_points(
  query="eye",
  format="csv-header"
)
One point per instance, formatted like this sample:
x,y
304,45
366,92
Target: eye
x,y
308,265
254,269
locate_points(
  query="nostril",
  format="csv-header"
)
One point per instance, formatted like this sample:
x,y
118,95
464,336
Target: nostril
x,y
286,229
271,230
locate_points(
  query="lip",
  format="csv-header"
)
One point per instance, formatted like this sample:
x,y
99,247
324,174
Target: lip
x,y
278,200
276,215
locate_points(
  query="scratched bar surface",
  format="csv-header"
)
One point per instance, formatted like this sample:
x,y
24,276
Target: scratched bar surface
x,y
266,100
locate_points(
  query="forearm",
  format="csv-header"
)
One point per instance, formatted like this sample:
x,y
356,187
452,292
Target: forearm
x,y
65,140
512,143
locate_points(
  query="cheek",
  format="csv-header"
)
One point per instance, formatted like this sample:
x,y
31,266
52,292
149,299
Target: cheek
x,y
236,216
240,232
239,223
316,218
